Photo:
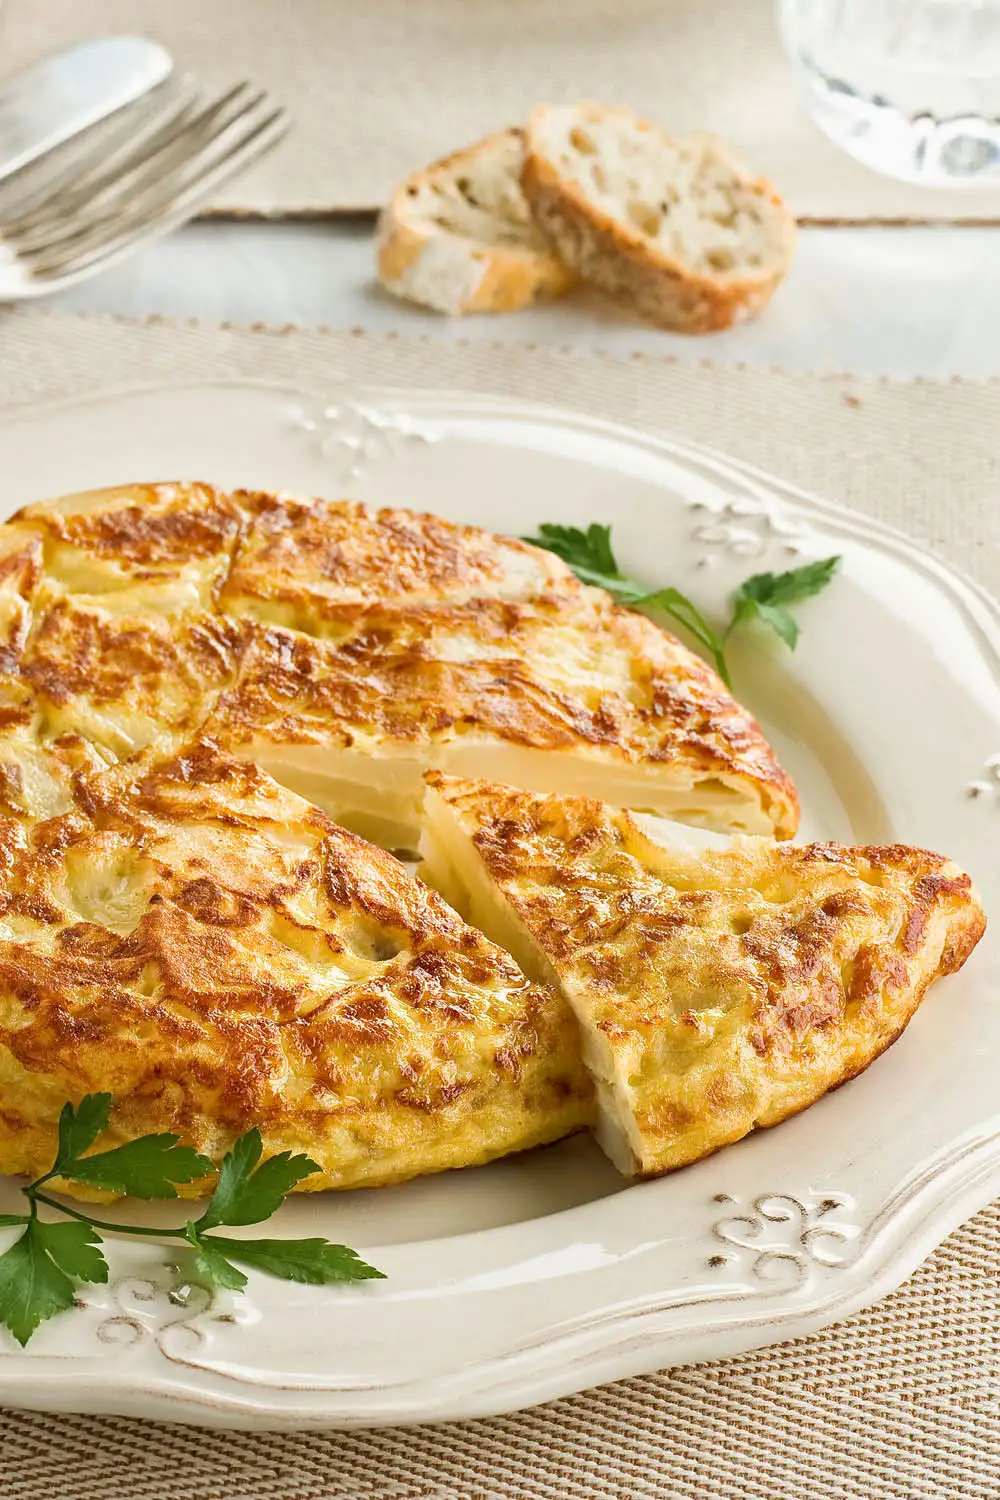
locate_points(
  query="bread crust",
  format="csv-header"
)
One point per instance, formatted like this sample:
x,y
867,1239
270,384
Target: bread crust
x,y
453,273
613,254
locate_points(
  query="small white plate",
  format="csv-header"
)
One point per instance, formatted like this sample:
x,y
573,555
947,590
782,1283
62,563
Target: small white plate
x,y
537,1276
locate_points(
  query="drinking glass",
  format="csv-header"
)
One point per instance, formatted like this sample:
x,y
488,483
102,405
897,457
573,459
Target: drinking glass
x,y
909,87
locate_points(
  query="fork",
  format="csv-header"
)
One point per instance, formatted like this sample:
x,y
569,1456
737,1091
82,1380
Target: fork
x,y
91,202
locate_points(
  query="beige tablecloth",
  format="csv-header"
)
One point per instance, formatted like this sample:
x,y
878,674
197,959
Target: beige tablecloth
x,y
379,87
902,1401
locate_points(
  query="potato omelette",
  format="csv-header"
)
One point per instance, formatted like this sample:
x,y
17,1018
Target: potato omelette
x,y
181,668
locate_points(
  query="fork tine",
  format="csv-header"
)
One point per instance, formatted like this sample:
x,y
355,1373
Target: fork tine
x,y
107,252
71,165
85,177
263,138
155,193
152,158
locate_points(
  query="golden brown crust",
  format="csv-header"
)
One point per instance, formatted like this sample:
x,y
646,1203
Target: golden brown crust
x,y
138,536
21,563
216,953
126,681
723,990
311,564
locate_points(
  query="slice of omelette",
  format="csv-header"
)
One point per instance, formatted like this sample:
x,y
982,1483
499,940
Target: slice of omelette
x,y
718,989
349,650
216,953
391,641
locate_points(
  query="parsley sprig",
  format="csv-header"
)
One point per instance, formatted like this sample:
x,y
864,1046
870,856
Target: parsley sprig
x,y
40,1271
764,596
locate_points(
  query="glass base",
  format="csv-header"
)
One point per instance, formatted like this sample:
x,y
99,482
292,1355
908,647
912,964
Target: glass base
x,y
961,151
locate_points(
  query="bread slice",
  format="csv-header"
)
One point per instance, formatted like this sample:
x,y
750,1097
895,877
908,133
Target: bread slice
x,y
677,228
718,988
458,236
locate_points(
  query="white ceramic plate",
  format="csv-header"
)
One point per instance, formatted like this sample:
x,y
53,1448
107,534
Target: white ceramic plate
x,y
538,1276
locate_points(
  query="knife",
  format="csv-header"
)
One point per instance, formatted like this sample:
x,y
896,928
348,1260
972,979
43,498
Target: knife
x,y
70,91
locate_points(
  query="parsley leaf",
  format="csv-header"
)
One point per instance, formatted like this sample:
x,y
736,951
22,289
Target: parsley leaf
x,y
248,1191
779,620
74,1248
246,1196
80,1126
145,1168
791,587
211,1266
763,597
316,1262
32,1286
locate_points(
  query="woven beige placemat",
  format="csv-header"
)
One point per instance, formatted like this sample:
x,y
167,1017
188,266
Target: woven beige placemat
x,y
900,1403
379,87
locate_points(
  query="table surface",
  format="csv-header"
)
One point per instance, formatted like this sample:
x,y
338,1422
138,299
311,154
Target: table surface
x,y
903,301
